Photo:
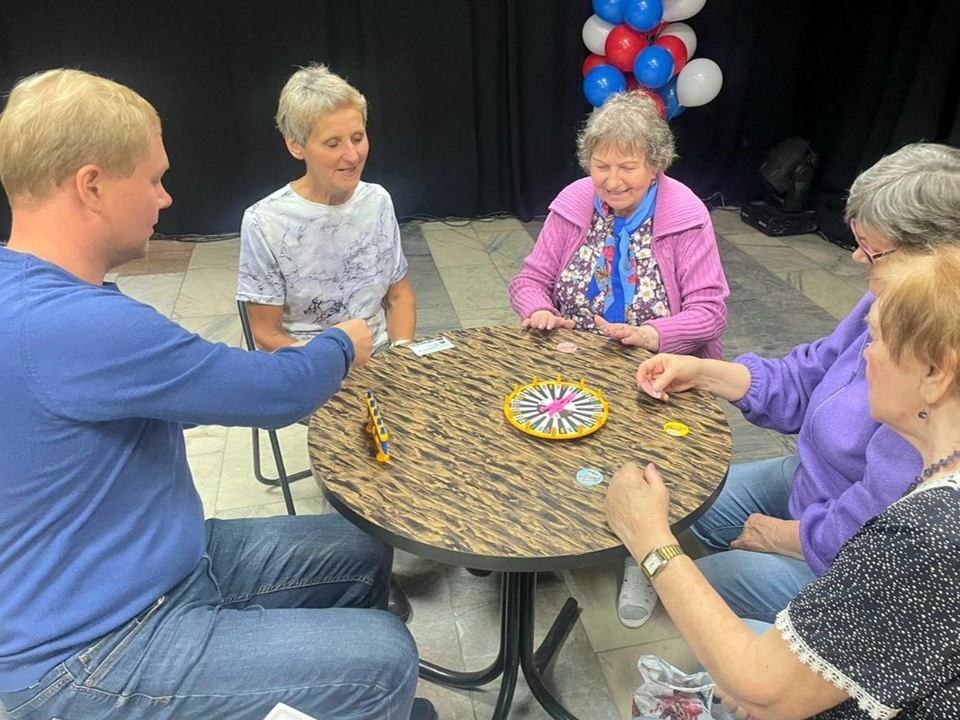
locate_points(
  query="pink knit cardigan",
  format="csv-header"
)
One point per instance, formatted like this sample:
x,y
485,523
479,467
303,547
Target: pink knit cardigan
x,y
685,249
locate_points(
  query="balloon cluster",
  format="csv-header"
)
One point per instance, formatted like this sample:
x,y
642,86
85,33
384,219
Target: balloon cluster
x,y
642,43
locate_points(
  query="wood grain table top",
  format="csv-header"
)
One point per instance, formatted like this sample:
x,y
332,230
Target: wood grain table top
x,y
465,487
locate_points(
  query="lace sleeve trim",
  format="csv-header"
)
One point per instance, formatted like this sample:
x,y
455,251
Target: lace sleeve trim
x,y
869,704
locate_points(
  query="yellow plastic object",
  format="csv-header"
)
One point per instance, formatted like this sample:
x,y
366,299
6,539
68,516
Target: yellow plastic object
x,y
377,428
677,429
556,409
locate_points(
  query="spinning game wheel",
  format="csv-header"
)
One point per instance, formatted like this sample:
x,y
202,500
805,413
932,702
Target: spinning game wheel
x,y
555,409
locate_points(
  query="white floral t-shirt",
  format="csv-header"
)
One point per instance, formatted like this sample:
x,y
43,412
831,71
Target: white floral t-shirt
x,y
323,263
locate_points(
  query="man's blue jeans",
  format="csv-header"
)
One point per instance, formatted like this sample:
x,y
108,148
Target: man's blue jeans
x,y
755,585
284,609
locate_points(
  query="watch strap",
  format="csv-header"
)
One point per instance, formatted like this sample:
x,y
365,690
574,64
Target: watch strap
x,y
666,553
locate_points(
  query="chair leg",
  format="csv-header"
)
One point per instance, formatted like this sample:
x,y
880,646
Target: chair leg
x,y
281,471
282,479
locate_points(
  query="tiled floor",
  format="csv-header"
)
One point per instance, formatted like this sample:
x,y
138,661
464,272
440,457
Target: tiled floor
x,y
783,291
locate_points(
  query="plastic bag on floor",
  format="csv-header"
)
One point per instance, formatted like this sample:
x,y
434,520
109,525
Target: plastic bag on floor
x,y
669,694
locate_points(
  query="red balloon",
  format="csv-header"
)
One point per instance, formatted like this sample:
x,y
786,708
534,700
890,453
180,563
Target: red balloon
x,y
677,49
632,83
623,45
661,106
592,61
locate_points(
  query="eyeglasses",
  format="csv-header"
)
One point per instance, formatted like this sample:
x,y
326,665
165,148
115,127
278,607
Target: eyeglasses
x,y
873,257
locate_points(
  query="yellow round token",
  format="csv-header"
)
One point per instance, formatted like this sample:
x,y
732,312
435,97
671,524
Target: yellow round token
x,y
677,429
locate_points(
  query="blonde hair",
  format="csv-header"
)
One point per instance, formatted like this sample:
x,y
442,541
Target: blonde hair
x,y
309,94
911,197
917,311
631,123
57,121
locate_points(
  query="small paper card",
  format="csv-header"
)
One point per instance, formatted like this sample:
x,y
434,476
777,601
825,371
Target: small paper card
x,y
285,712
433,345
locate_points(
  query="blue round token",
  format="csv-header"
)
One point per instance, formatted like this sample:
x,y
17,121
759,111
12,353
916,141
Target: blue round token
x,y
589,476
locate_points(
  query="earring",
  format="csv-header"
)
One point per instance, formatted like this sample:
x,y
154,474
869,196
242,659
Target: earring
x,y
922,415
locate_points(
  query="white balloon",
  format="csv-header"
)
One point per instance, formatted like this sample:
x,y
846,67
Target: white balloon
x,y
595,31
685,33
699,82
681,9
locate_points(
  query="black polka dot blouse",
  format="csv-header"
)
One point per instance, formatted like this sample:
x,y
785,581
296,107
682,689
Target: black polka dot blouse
x,y
883,623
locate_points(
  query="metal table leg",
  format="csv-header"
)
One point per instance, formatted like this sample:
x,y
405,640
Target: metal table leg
x,y
517,610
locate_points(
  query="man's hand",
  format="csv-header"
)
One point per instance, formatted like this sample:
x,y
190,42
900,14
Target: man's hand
x,y
637,504
762,533
359,333
546,320
642,336
663,374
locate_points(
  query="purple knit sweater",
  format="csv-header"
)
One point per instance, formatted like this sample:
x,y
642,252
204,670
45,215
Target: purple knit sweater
x,y
851,467
685,249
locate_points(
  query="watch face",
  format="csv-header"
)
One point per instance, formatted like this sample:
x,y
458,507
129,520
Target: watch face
x,y
556,410
651,563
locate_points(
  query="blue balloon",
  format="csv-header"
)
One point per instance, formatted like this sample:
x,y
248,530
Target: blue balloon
x,y
653,67
602,82
670,100
642,15
609,10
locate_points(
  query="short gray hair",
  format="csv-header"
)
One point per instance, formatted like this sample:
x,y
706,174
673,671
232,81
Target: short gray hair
x,y
310,93
631,123
912,196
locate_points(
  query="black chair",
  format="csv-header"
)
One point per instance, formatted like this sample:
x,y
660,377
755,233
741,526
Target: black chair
x,y
282,479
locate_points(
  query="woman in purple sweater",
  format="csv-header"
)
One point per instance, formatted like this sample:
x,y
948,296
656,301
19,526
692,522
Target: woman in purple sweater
x,y
781,522
631,253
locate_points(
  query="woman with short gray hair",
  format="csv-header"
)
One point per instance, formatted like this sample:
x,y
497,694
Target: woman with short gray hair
x,y
778,524
630,253
324,248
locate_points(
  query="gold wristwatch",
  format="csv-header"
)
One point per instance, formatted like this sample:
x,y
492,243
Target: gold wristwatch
x,y
657,559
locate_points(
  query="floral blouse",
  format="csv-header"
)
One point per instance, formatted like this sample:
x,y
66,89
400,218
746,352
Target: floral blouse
x,y
570,291
883,623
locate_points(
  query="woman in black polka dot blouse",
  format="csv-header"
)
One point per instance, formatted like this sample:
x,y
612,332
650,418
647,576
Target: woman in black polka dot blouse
x,y
878,635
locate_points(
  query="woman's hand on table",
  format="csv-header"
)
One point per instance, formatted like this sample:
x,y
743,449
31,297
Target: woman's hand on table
x,y
359,333
663,374
546,320
642,336
637,504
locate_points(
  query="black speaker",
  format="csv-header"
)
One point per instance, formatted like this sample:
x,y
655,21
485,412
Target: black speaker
x,y
787,176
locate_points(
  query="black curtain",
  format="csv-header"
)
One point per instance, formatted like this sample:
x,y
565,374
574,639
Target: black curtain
x,y
474,104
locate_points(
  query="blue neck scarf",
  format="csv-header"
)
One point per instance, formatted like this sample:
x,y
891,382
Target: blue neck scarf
x,y
616,272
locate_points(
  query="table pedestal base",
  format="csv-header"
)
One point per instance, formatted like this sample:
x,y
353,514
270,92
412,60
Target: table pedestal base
x,y
516,650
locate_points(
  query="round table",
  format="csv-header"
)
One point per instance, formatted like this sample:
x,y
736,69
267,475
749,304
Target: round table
x,y
465,487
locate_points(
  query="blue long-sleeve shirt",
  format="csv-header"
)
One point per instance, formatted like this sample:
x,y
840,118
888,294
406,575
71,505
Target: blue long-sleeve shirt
x,y
98,512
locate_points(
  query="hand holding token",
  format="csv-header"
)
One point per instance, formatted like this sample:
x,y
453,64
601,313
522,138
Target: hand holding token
x,y
546,320
637,504
359,333
642,336
668,373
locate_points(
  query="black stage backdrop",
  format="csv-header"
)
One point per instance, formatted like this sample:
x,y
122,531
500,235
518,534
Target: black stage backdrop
x,y
474,104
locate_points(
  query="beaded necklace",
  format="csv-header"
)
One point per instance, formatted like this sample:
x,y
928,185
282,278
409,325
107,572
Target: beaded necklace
x,y
930,471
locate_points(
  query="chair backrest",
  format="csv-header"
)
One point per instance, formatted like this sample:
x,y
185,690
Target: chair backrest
x,y
245,324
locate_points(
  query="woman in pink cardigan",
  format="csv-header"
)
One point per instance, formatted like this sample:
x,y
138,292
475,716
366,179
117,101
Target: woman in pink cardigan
x,y
627,252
